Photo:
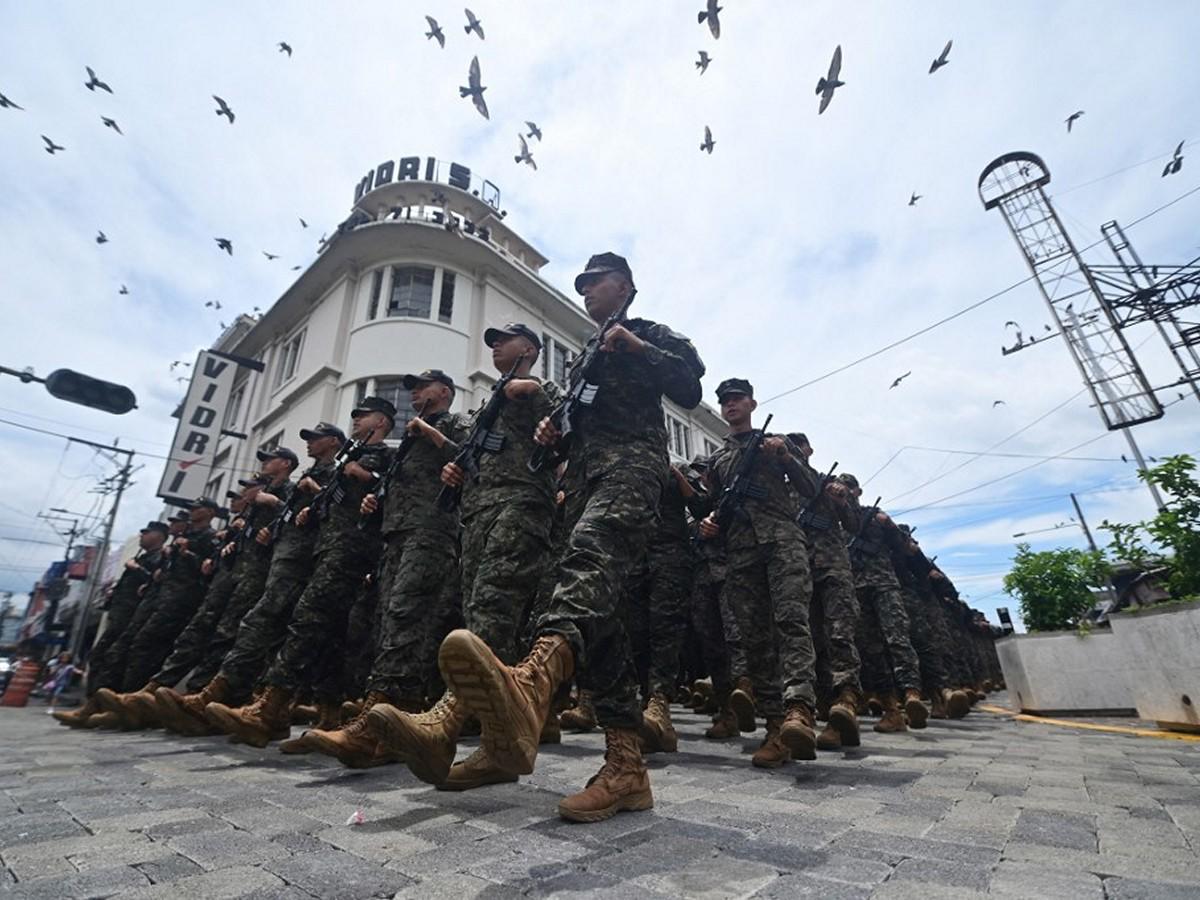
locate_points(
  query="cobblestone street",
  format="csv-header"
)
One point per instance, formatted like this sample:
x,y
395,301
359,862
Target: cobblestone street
x,y
984,805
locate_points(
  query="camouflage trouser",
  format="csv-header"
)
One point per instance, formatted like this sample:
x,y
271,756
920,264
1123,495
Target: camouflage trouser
x,y
264,628
657,613
346,674
318,623
607,521
505,551
251,581
834,623
889,662
769,589
106,662
189,647
942,641
929,655
411,573
712,629
155,627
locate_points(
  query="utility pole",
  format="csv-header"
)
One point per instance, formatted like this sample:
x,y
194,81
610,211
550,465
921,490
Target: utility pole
x,y
1083,522
82,610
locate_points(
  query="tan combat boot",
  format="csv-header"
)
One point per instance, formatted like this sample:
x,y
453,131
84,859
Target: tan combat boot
x,y
915,709
741,701
621,784
842,718
702,693
78,718
474,771
724,726
797,733
551,730
988,687
937,705
582,716
657,732
104,720
350,710
184,714
135,710
511,702
773,752
958,704
892,720
829,738
874,705
425,741
355,744
305,714
269,718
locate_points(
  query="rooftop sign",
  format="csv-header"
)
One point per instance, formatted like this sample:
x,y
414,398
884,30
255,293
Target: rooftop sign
x,y
409,168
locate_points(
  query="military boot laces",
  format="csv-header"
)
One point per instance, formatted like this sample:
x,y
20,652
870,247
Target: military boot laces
x,y
657,732
621,784
511,702
354,744
475,771
773,752
266,719
581,717
842,718
915,709
425,741
724,726
796,732
741,701
892,720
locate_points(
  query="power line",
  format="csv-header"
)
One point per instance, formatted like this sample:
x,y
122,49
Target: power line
x,y
1121,170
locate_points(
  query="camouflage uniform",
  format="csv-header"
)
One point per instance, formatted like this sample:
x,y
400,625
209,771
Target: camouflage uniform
x,y
769,587
507,519
889,662
921,625
106,664
160,618
264,627
420,552
190,646
616,470
834,611
344,555
713,621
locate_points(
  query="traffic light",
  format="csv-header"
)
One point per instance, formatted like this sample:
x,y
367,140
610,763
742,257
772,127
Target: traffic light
x,y
88,391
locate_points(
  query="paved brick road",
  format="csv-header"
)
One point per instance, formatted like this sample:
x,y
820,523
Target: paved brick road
x,y
981,806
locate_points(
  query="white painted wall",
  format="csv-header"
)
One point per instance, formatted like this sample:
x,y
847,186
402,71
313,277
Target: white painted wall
x,y
1063,672
1163,646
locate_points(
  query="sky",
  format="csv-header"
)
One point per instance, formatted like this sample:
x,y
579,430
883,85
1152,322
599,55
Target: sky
x,y
786,254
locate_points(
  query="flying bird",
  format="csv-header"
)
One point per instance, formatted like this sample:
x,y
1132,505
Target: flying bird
x,y
285,47
225,244
111,123
303,224
270,255
124,291
827,85
475,89
473,24
215,304
912,201
896,383
93,82
1012,324
52,147
710,15
1123,459
709,143
996,403
1072,117
703,62
5,103
525,156
1175,163
942,60
223,109
180,362
297,268
534,131
435,32
101,237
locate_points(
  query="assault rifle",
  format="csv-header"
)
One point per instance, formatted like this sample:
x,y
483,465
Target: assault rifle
x,y
807,515
581,393
290,507
740,486
482,439
868,516
335,491
393,469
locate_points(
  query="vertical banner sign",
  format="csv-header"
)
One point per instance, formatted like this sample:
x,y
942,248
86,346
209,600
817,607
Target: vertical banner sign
x,y
195,444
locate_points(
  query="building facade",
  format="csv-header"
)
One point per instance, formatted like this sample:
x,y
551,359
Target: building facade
x,y
409,282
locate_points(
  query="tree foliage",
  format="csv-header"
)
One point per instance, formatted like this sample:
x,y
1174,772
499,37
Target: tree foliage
x,y
1053,588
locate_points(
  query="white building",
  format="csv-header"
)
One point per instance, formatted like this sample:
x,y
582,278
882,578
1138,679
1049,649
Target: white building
x,y
424,264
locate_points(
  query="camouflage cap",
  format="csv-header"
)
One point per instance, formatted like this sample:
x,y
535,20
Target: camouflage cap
x,y
847,479
492,336
601,264
374,404
734,386
160,527
411,381
323,429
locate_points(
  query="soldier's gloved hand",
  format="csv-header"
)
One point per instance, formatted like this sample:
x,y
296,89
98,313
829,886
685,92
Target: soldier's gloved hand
x,y
545,433
709,528
263,537
308,484
776,445
453,475
521,387
370,503
302,517
206,567
619,339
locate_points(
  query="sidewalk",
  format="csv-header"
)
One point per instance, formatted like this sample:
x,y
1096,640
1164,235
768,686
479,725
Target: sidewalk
x,y
985,805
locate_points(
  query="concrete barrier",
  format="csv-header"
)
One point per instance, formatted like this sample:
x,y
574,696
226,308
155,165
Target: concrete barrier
x,y
1162,644
1067,673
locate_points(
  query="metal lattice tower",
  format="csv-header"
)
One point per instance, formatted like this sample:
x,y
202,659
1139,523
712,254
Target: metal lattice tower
x,y
1015,184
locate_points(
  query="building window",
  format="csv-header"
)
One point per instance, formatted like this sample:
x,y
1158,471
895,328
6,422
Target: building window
x,y
392,388
233,412
376,287
272,442
289,358
412,292
679,438
709,447
561,361
446,303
